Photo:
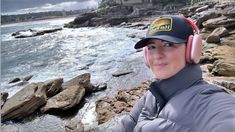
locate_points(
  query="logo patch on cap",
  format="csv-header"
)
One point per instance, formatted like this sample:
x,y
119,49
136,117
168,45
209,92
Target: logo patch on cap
x,y
162,24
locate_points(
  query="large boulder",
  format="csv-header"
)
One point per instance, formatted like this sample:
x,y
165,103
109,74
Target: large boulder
x,y
215,36
66,99
24,102
81,80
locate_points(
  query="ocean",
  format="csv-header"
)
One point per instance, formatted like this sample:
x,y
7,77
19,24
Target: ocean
x,y
66,53
62,54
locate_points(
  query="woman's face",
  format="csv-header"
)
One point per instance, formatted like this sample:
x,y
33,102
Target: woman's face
x,y
165,59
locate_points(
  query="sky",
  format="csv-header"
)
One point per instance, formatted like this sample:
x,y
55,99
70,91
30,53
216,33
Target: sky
x,y
26,6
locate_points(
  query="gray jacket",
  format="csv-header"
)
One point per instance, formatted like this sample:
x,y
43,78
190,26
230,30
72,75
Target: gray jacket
x,y
183,103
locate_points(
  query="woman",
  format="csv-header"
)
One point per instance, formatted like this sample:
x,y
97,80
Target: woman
x,y
179,100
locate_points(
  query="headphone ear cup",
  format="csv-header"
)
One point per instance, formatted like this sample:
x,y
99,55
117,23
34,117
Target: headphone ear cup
x,y
188,49
196,48
145,52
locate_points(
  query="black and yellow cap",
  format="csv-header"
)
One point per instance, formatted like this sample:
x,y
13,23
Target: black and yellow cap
x,y
173,29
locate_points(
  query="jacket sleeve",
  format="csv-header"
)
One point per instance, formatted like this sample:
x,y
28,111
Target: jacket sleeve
x,y
216,112
222,118
128,123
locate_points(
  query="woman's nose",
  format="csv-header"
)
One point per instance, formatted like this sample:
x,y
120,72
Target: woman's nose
x,y
158,53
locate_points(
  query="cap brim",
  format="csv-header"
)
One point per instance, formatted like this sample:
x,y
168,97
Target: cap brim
x,y
142,43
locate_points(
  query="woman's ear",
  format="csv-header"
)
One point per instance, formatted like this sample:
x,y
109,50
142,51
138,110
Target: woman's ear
x,y
145,53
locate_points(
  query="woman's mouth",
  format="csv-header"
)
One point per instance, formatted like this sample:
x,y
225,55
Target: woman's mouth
x,y
160,65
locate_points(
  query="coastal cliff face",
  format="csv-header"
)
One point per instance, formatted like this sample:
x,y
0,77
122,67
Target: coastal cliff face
x,y
115,12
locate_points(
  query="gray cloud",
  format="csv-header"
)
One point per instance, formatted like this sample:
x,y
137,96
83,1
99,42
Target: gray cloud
x,y
26,6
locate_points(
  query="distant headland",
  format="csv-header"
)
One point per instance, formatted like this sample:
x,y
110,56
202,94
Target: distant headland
x,y
7,19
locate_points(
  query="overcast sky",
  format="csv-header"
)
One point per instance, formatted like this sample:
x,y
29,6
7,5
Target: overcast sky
x,y
26,6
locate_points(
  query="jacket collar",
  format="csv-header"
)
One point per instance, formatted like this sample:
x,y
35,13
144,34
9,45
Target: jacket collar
x,y
165,89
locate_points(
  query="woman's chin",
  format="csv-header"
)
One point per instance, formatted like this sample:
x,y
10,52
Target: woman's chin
x,y
162,76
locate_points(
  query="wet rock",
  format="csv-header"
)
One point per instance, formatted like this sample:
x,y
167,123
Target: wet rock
x,y
32,33
84,17
99,87
66,99
14,80
27,78
121,72
82,21
4,96
136,25
26,32
215,36
74,125
41,32
81,80
53,86
24,102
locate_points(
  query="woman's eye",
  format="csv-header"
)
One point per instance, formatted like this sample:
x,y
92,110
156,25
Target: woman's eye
x,y
151,47
167,44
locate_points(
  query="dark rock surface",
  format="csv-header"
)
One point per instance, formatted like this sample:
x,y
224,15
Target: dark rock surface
x,y
33,33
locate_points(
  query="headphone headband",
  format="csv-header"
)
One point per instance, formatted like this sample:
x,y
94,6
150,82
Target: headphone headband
x,y
192,24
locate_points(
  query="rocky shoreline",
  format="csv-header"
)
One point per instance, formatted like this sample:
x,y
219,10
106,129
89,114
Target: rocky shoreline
x,y
217,26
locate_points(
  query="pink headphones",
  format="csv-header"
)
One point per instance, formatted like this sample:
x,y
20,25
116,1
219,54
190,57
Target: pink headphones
x,y
193,49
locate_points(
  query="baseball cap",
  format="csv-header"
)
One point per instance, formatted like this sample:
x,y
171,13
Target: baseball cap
x,y
173,29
